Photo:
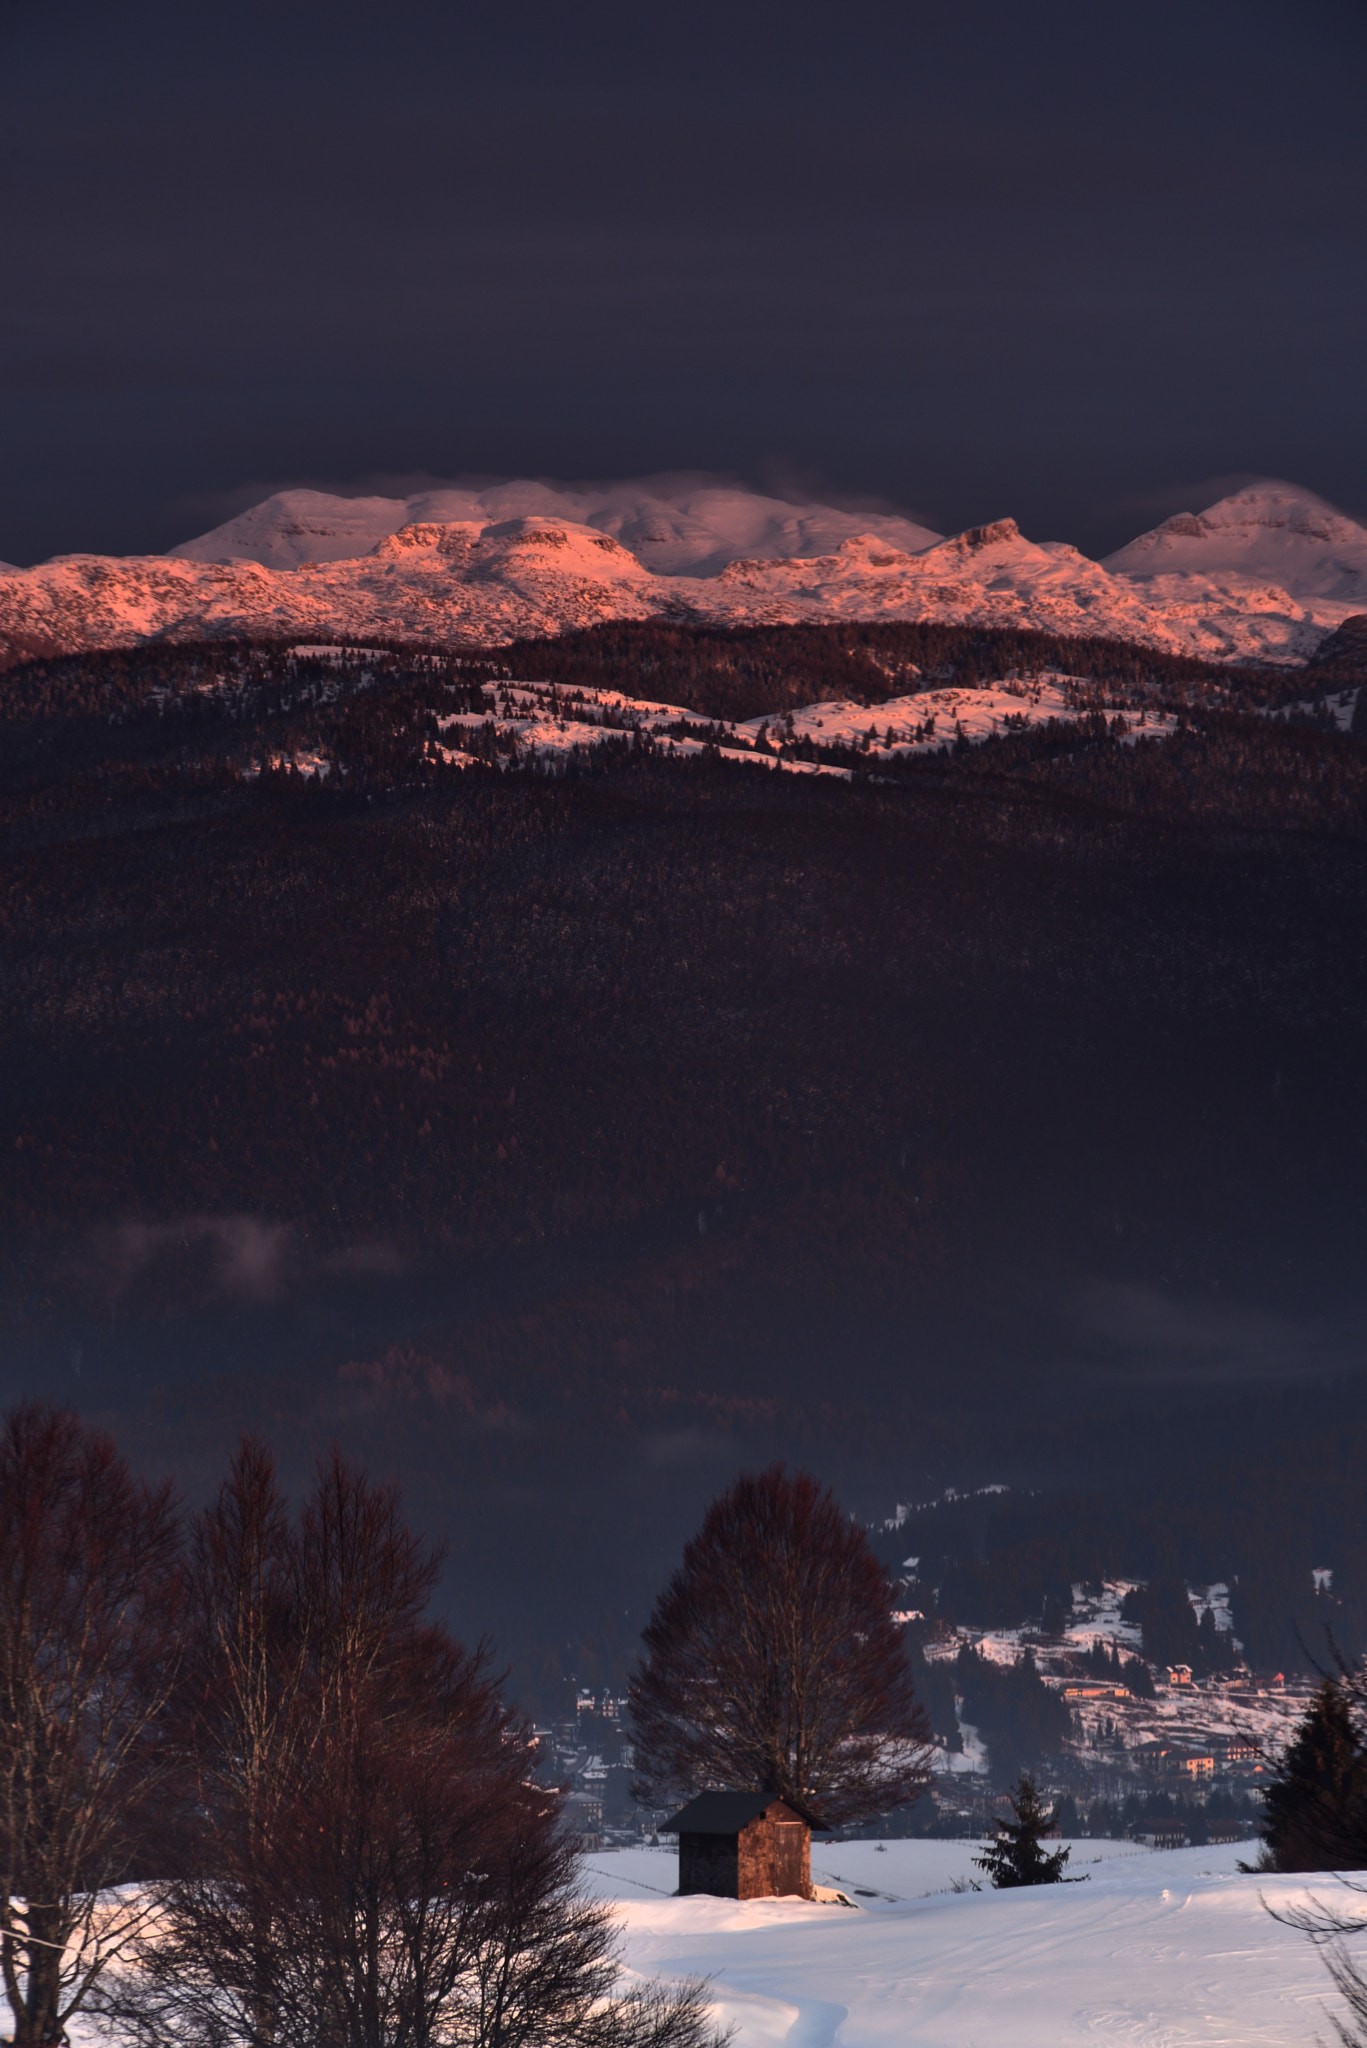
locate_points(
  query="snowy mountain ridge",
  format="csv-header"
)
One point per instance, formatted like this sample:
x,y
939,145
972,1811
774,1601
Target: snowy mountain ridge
x,y
1199,585
1274,531
693,530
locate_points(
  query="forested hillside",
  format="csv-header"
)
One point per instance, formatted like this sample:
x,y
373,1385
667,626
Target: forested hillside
x,y
565,1140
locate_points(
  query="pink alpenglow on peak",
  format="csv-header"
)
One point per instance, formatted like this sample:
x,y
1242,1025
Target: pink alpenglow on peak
x,y
1271,532
1263,576
685,528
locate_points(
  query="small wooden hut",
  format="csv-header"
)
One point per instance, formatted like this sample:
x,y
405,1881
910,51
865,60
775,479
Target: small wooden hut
x,y
745,1845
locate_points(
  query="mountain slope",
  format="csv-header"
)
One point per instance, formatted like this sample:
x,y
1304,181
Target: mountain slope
x,y
1272,532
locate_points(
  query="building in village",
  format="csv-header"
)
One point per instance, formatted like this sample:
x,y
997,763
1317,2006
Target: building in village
x,y
583,1814
1162,1834
745,1845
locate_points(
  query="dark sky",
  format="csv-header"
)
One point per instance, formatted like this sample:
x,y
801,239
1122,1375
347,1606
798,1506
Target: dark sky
x,y
1080,263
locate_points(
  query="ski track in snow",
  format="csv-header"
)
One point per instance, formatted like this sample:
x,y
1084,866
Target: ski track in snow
x,y
1261,576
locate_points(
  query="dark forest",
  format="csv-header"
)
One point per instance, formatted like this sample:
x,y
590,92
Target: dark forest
x,y
561,1143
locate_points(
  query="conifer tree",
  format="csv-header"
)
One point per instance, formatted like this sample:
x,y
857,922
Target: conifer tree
x,y
1054,1618
1136,1674
1316,1804
1216,1645
1163,1610
1016,1858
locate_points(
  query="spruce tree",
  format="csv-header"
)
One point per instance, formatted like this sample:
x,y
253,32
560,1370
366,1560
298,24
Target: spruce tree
x,y
1136,1674
1055,1616
1163,1610
1216,1650
1016,1857
1316,1804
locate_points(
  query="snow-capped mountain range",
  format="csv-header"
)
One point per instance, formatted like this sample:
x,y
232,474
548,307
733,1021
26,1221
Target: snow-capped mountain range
x,y
1263,575
695,529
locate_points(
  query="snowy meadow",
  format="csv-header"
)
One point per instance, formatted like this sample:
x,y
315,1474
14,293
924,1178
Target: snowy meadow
x,y
1156,1949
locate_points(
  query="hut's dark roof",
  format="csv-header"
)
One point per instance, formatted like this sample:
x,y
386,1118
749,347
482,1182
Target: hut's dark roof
x,y
726,1813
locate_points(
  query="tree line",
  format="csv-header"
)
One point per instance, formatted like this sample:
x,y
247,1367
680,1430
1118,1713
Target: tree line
x,y
753,671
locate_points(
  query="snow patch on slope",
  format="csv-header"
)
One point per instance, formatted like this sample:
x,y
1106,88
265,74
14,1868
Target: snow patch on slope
x,y
533,721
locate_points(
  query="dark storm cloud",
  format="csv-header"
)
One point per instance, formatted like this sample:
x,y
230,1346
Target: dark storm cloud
x,y
976,258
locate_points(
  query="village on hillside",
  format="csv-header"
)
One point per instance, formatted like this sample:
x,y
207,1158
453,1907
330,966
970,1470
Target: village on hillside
x,y
1186,1765
1201,1747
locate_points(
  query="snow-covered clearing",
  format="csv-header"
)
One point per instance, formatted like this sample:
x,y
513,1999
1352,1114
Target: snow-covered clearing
x,y
1156,1949
1338,709
539,721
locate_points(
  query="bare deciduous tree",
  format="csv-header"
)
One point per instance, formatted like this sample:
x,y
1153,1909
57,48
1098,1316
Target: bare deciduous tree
x,y
237,1732
773,1661
88,1628
369,1864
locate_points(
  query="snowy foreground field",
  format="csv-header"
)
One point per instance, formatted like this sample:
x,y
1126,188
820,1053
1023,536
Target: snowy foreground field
x,y
1157,1949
